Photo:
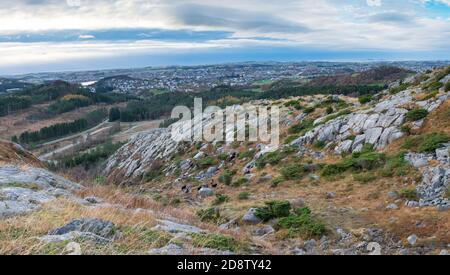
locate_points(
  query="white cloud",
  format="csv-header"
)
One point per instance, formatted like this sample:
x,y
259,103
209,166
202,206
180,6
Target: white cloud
x,y
374,3
86,36
322,24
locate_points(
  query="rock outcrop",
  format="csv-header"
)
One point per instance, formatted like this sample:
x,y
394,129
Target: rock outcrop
x,y
24,185
436,179
378,126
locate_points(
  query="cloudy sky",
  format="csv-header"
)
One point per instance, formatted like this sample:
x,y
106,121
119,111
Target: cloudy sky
x,y
56,35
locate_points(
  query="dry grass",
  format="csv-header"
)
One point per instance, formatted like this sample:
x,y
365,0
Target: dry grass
x,y
9,154
19,234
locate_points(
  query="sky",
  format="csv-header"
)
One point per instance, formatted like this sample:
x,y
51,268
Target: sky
x,y
67,35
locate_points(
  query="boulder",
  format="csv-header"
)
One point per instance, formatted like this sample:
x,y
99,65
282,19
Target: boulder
x,y
206,192
250,217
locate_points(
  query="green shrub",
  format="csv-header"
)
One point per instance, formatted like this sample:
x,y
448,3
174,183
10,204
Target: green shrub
x,y
247,154
431,95
223,156
416,114
426,143
292,172
309,110
365,178
303,224
277,181
211,214
240,182
273,209
221,198
302,127
396,166
365,99
436,85
244,196
290,139
447,87
226,178
215,241
409,194
400,88
406,129
319,144
356,162
329,110
206,162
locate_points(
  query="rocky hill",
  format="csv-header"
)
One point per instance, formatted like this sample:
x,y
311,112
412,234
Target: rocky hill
x,y
368,175
346,162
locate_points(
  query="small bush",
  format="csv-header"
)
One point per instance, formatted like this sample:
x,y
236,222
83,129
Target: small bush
x,y
222,157
244,196
396,166
215,241
247,154
240,182
416,114
309,110
365,178
273,209
436,85
356,162
292,172
220,199
226,178
447,87
206,162
211,214
398,89
274,158
277,181
365,99
426,143
302,127
290,139
319,144
303,224
409,194
329,110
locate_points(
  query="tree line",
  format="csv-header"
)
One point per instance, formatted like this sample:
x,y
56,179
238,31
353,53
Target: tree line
x,y
62,129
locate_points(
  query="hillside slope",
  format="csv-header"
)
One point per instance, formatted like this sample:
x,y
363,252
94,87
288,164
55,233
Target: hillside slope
x,y
367,176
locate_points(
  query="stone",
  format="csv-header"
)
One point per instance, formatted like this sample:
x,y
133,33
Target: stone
x,y
412,204
93,200
101,228
417,160
250,217
74,235
309,245
199,155
393,195
174,227
298,251
263,230
412,240
392,206
344,147
297,203
444,252
331,195
373,134
170,249
206,192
